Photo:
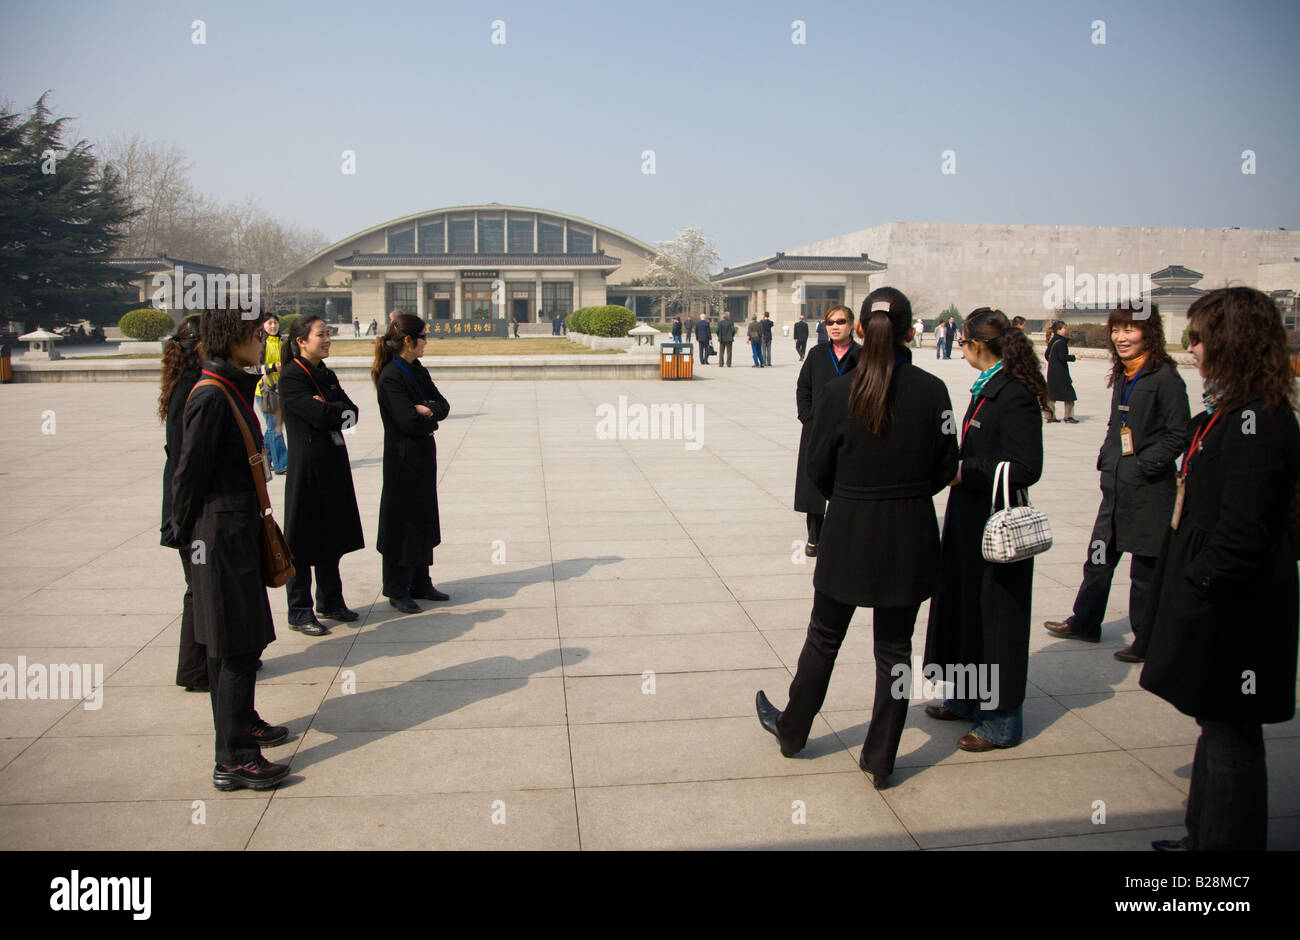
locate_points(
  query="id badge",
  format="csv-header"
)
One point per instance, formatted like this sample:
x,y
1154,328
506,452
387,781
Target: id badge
x,y
1179,492
1126,442
337,438
266,466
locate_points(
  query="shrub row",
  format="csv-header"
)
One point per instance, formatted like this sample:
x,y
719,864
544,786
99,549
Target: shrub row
x,y
609,320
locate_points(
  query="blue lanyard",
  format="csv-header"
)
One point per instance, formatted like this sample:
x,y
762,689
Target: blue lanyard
x,y
1125,393
414,384
830,351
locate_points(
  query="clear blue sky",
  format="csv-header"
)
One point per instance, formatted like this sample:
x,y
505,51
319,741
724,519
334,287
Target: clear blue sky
x,y
761,143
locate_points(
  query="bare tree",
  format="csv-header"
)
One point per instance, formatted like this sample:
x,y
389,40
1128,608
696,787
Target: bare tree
x,y
683,265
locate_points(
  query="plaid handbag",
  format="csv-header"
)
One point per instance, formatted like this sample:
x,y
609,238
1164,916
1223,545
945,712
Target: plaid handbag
x,y
1013,533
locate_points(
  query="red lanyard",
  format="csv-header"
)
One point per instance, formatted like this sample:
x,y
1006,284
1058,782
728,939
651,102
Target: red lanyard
x,y
966,430
232,388
1196,441
312,377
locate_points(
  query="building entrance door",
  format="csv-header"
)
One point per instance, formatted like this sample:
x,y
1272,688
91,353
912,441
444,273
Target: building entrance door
x,y
519,310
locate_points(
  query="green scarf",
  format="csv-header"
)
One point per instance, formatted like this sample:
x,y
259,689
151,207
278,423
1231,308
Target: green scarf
x,y
984,378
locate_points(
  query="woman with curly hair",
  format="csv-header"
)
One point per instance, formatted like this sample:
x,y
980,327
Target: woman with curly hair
x,y
979,616
1146,434
1222,625
181,362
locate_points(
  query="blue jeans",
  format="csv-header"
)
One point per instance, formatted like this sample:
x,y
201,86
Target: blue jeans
x,y
1005,727
757,347
275,448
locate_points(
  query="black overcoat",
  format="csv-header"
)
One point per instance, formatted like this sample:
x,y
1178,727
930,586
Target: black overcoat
x,y
980,611
819,367
408,508
800,330
1137,492
175,433
321,520
1224,598
880,544
214,502
1059,385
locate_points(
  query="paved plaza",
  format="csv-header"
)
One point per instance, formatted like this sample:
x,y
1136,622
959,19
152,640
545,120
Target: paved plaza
x,y
615,606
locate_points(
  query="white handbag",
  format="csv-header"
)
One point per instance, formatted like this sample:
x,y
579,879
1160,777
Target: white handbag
x,y
1013,533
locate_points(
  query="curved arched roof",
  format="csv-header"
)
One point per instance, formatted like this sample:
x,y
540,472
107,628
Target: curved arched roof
x,y
484,207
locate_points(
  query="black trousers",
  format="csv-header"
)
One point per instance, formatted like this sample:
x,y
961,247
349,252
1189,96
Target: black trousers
x,y
893,644
402,580
815,520
232,680
1227,805
704,354
1090,603
329,591
799,346
192,660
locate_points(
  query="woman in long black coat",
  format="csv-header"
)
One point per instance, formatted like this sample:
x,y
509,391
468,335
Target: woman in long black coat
x,y
883,442
1222,620
321,521
979,615
181,363
827,362
215,510
1149,403
410,407
1059,385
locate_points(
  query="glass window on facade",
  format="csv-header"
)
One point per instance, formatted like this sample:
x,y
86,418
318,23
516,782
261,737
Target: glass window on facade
x,y
477,300
817,300
737,308
580,242
460,236
550,238
401,243
557,298
401,296
438,300
521,236
492,235
433,237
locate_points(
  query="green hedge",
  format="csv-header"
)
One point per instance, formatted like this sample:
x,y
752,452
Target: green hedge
x,y
1088,335
145,324
609,320
286,321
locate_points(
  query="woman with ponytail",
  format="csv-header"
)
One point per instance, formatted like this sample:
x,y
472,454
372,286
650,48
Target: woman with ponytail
x,y
182,360
829,361
410,406
882,443
979,616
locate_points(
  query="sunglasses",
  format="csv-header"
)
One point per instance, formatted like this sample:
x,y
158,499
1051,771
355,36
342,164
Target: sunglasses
x,y
839,322
1193,339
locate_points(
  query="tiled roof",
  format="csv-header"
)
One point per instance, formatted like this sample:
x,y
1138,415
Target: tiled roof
x,y
164,263
1177,292
480,260
783,262
1177,271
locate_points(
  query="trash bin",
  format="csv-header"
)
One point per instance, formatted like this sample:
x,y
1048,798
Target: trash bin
x,y
1295,360
6,365
674,361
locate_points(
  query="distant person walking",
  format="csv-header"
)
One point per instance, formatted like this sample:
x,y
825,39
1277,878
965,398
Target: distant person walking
x,y
939,332
677,329
1059,386
356,328
268,393
754,332
704,336
949,333
726,336
767,339
918,328
821,331
800,336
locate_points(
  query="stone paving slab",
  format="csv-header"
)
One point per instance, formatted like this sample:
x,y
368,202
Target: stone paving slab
x,y
615,606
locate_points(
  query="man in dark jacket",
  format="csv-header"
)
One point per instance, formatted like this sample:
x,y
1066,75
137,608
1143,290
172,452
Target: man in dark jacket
x,y
821,331
704,336
800,337
754,333
950,333
726,336
766,324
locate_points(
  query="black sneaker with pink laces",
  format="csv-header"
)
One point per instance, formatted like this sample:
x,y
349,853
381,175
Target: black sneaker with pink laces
x,y
256,774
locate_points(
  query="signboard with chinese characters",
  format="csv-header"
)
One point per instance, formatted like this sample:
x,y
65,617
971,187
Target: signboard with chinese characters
x,y
470,328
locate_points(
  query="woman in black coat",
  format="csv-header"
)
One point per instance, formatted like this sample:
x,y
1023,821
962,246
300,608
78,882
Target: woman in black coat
x,y
1222,630
1146,434
410,407
882,443
181,362
827,362
1059,385
321,521
980,612
215,511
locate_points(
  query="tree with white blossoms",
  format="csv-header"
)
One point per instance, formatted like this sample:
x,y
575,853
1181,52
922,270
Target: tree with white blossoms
x,y
683,266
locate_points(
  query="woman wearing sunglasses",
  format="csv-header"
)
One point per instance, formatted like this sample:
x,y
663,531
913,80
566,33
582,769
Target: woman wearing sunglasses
x,y
979,616
1222,625
882,443
410,407
828,361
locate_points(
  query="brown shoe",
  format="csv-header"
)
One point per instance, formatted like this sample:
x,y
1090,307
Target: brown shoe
x,y
1126,655
970,741
1063,629
941,713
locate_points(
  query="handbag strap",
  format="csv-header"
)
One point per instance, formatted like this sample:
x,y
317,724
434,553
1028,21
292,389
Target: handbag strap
x,y
254,456
1003,473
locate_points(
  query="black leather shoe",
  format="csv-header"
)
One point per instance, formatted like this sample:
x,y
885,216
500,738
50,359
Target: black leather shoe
x,y
768,715
312,628
257,774
810,549
1170,845
268,735
404,604
1065,631
879,781
1126,655
430,593
204,688
941,713
347,616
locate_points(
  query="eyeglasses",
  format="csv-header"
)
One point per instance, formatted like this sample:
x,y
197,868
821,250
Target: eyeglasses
x,y
840,322
1193,339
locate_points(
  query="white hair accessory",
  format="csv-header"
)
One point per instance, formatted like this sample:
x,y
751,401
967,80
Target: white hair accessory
x,y
880,305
